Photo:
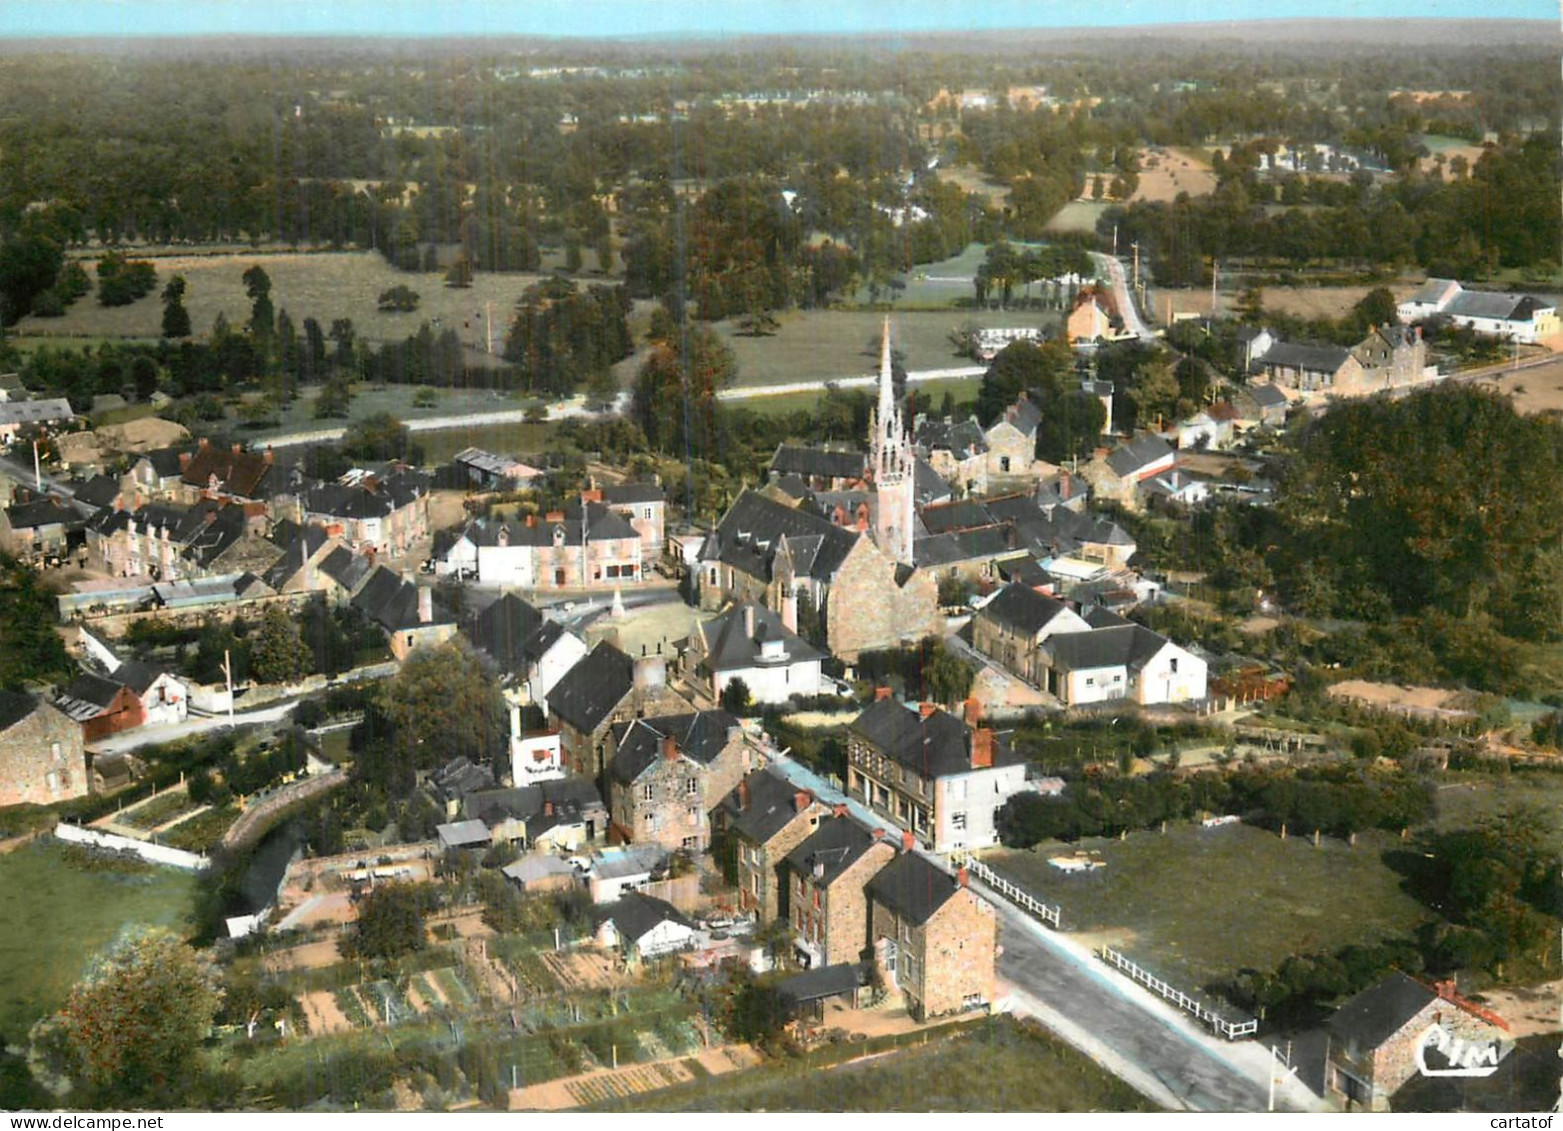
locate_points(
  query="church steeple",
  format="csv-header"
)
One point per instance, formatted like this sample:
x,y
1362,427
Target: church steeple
x,y
894,465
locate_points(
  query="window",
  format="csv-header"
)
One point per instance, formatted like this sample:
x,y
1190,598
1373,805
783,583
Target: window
x,y
1174,662
1090,681
958,820
905,930
54,752
691,786
645,793
646,513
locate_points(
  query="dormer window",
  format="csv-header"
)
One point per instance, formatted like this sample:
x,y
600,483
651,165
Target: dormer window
x,y
558,536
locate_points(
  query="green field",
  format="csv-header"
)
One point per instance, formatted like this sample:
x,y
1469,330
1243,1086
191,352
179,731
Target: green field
x,y
1078,216
1477,797
942,283
998,1066
1198,904
58,915
507,439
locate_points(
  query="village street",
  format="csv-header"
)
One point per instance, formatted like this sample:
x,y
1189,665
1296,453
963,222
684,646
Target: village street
x,y
1144,1040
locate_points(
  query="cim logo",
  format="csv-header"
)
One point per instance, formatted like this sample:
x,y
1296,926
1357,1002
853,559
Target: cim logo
x,y
1460,1057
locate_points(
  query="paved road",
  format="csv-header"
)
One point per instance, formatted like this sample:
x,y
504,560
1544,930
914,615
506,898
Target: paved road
x,y
1146,1042
859,381
1126,307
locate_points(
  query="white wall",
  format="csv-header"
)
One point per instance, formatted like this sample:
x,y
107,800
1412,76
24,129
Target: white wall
x,y
506,565
978,795
1093,685
554,666
462,555
774,684
166,701
666,937
156,853
1066,621
1159,683
534,758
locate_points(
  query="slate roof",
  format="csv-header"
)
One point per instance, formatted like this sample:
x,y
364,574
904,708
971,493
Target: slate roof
x,y
983,543
751,531
1024,415
963,515
459,777
346,568
701,736
391,601
728,648
463,834
772,805
87,696
36,412
100,491
963,439
1433,290
571,797
602,525
536,646
304,544
1379,1012
1100,616
835,846
822,982
207,541
1025,571
137,676
931,747
927,484
1268,396
1307,358
1022,608
795,459
41,512
1492,304
628,494
164,462
635,915
14,707
912,887
590,691
1141,451
1121,646
536,868
502,630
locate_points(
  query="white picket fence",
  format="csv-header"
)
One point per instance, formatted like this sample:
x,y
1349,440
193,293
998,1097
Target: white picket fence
x,y
1231,1030
1019,896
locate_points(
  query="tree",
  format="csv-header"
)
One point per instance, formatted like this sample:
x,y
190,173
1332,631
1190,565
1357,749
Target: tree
x,y
132,1029
277,652
441,704
675,393
143,375
380,437
736,699
30,650
400,299
29,264
343,334
176,319
335,400
1021,367
947,678
390,923
1071,426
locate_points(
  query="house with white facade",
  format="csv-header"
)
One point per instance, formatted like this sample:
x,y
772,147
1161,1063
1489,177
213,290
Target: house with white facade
x,y
597,546
1498,314
751,643
1121,662
644,927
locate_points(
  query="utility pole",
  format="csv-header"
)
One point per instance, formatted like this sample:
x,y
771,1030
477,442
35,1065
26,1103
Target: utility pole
x,y
228,675
1136,247
1290,1071
1215,273
488,319
1115,241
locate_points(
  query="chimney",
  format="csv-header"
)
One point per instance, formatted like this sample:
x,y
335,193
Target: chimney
x,y
592,496
237,447
789,611
186,457
962,877
531,520
982,748
554,516
749,620
548,808
669,748
425,605
838,810
802,800
269,456
972,711
205,443
1063,484
881,693
743,795
878,833
908,841
926,710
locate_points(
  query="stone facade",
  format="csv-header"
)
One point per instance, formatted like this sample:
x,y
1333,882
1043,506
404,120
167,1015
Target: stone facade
x,y
757,868
867,609
669,802
1010,451
944,965
41,758
832,919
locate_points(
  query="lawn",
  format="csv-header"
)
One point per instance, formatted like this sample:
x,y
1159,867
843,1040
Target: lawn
x,y
825,345
1471,799
58,915
505,439
1198,904
1078,216
997,1066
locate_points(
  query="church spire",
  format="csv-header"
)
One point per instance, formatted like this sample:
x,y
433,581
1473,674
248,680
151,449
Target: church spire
x,y
886,378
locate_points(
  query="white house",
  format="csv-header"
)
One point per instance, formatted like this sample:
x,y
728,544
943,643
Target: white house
x,y
645,927
1499,314
1121,662
751,643
622,871
550,654
534,757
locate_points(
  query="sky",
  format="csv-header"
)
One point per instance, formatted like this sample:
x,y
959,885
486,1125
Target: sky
x,y
619,18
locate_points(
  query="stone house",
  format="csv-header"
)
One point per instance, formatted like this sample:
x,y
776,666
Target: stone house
x,y
1012,439
1013,625
1391,355
593,546
750,643
1114,476
669,772
1120,662
300,569
408,612
606,687
43,526
754,827
165,698
155,474
941,779
41,758
934,941
16,415
956,449
170,542
1093,319
821,469
827,875
1311,368
229,474
1397,1029
644,506
372,516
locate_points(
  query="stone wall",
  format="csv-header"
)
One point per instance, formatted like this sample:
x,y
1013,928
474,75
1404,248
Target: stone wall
x,y
839,926
866,610
31,772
